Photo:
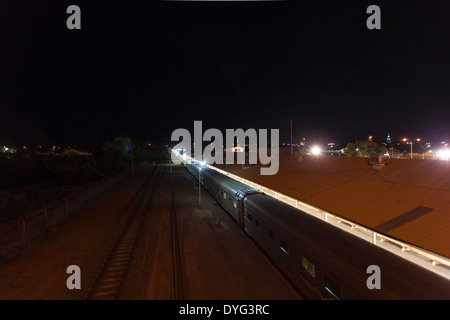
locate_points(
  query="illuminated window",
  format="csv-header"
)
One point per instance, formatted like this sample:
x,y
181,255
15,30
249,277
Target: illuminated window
x,y
309,267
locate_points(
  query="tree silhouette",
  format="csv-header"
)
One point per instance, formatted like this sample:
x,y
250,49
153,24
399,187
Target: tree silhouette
x,y
364,149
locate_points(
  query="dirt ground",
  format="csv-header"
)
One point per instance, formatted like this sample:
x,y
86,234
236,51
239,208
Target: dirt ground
x,y
85,240
218,260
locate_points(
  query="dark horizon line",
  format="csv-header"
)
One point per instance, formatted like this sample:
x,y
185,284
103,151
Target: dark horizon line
x,y
45,141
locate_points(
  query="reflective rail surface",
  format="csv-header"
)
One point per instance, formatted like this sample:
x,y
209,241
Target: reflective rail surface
x,y
427,259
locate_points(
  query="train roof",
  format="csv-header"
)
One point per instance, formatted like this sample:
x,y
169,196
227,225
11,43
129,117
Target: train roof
x,y
229,185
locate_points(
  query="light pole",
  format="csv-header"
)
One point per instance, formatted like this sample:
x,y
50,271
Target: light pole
x,y
199,187
291,139
410,141
406,140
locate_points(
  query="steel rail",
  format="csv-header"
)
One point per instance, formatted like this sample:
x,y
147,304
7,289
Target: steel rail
x,y
110,280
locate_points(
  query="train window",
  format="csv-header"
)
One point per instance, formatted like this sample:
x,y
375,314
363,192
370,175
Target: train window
x,y
250,217
333,288
257,224
309,267
284,246
271,235
235,204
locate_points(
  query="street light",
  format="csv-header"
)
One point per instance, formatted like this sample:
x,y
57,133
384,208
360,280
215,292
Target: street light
x,y
315,150
410,141
444,154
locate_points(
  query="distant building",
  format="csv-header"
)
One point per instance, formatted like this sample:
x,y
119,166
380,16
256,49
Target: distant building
x,y
388,142
237,149
393,153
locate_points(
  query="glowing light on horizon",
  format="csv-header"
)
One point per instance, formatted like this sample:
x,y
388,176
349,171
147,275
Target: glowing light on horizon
x,y
444,154
315,150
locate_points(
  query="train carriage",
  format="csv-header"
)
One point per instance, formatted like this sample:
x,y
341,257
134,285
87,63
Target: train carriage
x,y
228,192
320,260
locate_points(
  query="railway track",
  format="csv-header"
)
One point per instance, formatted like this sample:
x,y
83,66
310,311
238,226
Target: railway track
x,y
110,281
177,279
108,284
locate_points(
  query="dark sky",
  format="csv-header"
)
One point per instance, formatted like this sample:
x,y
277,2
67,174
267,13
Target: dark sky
x,y
143,69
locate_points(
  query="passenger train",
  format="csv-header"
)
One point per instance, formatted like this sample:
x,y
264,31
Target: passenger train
x,y
319,259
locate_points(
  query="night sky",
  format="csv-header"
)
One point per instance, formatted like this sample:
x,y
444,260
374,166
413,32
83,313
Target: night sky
x,y
144,69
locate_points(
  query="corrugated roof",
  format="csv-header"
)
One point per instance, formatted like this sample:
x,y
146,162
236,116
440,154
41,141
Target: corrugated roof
x,y
351,188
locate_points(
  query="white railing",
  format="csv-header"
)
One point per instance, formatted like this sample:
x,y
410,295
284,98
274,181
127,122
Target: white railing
x,y
365,233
